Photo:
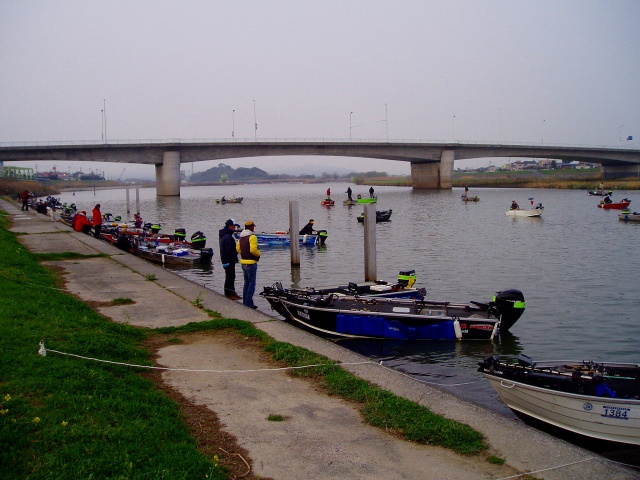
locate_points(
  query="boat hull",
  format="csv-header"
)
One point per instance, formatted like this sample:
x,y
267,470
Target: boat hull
x,y
368,200
524,213
629,217
284,240
614,206
231,200
611,419
343,316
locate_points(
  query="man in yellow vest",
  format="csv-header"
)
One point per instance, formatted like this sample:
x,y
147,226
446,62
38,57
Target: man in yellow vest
x,y
247,247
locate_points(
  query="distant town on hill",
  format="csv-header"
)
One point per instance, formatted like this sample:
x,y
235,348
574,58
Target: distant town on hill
x,y
224,173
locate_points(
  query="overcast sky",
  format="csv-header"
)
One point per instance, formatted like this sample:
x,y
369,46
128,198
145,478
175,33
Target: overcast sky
x,y
558,72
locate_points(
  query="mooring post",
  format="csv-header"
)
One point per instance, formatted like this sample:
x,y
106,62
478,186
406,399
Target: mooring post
x,y
370,267
138,200
128,209
294,226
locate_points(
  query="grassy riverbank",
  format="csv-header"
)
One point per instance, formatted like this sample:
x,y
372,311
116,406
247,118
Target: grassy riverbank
x,y
62,417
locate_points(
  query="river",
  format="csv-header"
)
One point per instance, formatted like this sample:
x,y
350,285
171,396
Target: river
x,y
577,265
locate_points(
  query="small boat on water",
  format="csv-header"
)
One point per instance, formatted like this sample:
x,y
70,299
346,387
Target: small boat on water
x,y
600,192
283,239
339,315
596,399
465,198
224,200
525,212
621,205
327,202
627,216
349,203
381,216
177,253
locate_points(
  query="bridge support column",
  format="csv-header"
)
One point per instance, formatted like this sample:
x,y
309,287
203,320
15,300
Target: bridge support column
x,y
436,175
168,175
620,171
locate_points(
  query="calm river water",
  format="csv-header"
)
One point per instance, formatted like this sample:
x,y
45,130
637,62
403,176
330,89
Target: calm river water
x,y
577,265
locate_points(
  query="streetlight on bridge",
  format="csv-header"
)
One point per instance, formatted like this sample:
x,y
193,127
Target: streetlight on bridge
x,y
453,128
255,122
542,132
350,127
233,124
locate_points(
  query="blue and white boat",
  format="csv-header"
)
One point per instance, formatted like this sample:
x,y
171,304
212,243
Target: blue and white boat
x,y
282,239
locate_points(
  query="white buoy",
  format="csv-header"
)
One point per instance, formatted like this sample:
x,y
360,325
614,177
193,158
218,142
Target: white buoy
x,y
457,329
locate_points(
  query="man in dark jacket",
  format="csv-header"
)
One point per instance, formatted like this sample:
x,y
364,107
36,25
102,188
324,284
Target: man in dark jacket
x,y
229,258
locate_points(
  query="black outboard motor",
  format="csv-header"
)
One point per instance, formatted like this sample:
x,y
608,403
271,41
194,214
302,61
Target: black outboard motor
x,y
510,304
198,240
206,254
180,234
322,237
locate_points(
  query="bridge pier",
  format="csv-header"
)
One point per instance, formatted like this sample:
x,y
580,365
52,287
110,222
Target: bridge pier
x,y
436,175
168,175
619,171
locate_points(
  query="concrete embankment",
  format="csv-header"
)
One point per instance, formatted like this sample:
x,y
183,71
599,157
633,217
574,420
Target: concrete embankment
x,y
322,436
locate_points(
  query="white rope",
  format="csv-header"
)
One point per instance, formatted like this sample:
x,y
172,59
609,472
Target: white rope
x,y
43,351
552,468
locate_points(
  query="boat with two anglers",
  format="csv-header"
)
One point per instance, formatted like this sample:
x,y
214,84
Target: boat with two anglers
x,y
516,211
608,204
381,216
338,315
627,216
600,400
225,200
283,239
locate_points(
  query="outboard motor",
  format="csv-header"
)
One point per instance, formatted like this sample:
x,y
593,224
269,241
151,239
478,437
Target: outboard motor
x,y
206,254
322,236
406,278
510,305
180,234
199,240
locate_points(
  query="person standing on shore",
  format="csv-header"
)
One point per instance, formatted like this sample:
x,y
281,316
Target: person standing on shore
x,y
97,221
229,258
247,247
25,200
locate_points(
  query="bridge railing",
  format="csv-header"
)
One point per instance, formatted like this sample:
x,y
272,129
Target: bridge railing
x,y
346,141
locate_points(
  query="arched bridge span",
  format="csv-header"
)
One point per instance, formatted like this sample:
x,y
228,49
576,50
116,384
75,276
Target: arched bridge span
x,y
431,162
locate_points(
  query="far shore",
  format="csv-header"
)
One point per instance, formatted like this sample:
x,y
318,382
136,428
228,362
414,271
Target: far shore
x,y
559,179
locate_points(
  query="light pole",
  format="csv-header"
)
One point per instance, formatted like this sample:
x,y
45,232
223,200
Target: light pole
x,y
542,132
104,116
620,137
386,121
500,125
233,124
350,127
255,122
453,128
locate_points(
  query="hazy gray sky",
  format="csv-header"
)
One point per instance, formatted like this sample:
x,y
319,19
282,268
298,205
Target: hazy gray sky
x,y
562,72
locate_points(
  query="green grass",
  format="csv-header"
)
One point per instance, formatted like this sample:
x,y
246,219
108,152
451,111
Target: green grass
x,y
65,418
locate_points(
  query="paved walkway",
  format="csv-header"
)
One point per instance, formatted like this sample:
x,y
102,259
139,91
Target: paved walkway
x,y
322,437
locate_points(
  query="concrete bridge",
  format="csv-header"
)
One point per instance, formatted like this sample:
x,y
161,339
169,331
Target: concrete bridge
x,y
431,162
